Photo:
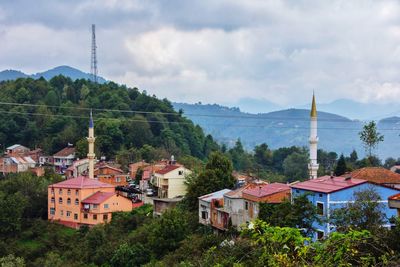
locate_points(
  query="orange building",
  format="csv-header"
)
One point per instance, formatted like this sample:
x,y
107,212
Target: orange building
x,y
111,175
83,201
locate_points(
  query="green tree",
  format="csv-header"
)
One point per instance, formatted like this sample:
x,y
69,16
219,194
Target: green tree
x,y
295,167
341,167
263,155
12,261
370,137
364,213
217,175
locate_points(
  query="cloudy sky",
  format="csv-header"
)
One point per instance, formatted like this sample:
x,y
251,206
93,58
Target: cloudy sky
x,y
222,51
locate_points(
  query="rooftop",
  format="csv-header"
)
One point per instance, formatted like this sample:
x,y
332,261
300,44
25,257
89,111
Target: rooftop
x,y
168,168
266,189
65,152
98,197
376,175
215,195
328,184
15,146
81,182
237,193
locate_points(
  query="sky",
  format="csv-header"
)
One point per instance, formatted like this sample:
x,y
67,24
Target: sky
x,y
216,51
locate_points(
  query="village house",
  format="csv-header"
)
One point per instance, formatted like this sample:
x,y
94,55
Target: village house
x,y
274,193
16,150
63,159
105,173
78,168
377,175
170,181
18,158
135,167
329,192
211,210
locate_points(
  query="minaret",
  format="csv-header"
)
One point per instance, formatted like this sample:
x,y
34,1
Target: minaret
x,y
313,164
91,140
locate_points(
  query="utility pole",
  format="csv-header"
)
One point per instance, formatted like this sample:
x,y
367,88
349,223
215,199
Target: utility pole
x,y
93,63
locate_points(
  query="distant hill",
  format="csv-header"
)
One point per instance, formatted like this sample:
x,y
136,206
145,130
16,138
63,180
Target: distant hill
x,y
289,127
357,110
48,74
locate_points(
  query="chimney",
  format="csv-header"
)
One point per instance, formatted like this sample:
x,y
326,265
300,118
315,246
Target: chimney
x,y
332,175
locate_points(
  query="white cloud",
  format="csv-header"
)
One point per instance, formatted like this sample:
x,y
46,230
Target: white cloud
x,y
217,51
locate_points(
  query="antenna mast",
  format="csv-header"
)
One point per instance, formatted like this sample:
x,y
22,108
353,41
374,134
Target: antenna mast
x,y
93,63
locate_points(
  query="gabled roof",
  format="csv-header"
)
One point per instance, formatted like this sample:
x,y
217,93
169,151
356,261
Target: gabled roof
x,y
109,167
98,197
215,195
266,189
237,193
65,152
328,184
168,169
376,175
81,182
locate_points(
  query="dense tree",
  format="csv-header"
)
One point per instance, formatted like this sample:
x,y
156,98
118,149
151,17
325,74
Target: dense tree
x,y
217,175
295,167
263,155
364,213
341,166
370,137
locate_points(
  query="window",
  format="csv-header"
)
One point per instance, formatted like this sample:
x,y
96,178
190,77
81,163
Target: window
x,y
320,208
297,191
76,192
52,211
68,214
69,192
75,216
204,215
76,201
320,234
85,216
53,200
52,191
61,213
106,206
118,179
60,191
105,217
320,195
180,172
60,200
94,216
246,205
69,201
95,206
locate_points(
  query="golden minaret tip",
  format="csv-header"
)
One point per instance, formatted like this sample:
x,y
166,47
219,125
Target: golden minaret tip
x,y
313,112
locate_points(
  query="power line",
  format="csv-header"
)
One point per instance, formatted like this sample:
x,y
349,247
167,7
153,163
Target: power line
x,y
250,116
187,123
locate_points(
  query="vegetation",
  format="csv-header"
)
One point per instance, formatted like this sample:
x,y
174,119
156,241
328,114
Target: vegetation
x,y
370,137
51,114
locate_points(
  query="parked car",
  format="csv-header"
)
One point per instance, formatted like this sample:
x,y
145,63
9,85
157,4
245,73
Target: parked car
x,y
149,192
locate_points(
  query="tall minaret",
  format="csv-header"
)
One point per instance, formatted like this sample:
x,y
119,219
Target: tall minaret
x,y
313,164
91,140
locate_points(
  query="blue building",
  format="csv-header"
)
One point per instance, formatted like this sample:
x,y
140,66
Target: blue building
x,y
328,193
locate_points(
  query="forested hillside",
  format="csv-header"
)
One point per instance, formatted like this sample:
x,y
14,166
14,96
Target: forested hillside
x,y
51,114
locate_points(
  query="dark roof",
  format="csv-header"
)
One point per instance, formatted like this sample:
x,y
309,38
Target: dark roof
x,y
328,184
65,152
376,175
98,197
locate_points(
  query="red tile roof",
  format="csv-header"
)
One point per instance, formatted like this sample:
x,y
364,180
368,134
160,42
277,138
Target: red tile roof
x,y
98,197
168,169
65,152
326,184
81,182
395,197
376,175
266,189
237,193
